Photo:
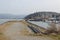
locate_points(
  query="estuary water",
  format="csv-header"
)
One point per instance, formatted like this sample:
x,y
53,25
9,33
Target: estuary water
x,y
45,25
5,20
41,24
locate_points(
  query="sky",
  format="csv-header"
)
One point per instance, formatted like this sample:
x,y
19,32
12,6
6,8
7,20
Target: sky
x,y
24,7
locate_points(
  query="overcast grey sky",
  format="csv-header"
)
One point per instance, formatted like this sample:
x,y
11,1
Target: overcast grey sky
x,y
21,7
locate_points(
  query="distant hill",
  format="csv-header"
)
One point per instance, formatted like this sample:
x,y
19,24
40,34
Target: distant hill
x,y
10,16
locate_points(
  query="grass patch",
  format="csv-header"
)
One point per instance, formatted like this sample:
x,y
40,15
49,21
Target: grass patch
x,y
1,33
55,37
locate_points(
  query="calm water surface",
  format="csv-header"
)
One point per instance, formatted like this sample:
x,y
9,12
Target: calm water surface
x,y
5,20
41,24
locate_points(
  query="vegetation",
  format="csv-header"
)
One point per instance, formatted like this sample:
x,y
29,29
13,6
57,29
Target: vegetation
x,y
41,15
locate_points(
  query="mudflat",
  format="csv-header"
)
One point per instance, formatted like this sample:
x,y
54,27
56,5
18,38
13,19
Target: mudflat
x,y
18,31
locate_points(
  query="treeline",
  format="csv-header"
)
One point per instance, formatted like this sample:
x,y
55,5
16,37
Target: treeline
x,y
40,15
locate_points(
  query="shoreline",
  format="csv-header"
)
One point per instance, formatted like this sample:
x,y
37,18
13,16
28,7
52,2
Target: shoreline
x,y
9,26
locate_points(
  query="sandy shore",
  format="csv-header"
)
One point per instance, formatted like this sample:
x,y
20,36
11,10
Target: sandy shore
x,y
18,31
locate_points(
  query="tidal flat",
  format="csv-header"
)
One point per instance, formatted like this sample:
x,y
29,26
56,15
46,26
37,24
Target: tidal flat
x,y
18,30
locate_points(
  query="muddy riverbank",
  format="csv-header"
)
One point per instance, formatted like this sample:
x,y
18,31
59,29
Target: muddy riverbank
x,y
18,30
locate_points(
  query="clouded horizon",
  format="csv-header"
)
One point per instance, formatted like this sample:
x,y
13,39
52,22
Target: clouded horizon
x,y
21,7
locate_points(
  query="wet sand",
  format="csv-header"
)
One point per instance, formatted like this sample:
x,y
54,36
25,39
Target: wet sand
x,y
18,31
